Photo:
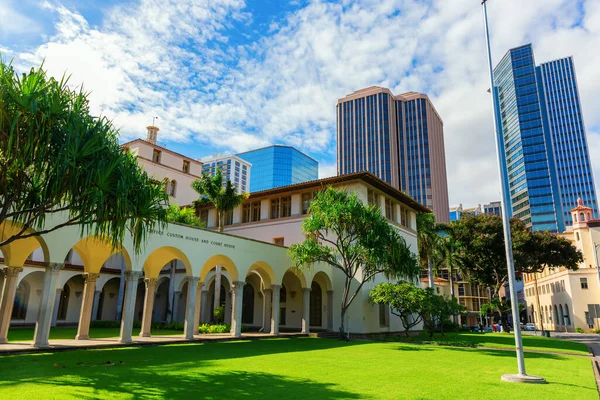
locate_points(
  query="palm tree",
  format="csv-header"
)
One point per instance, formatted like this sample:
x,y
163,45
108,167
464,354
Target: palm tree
x,y
428,239
448,255
222,195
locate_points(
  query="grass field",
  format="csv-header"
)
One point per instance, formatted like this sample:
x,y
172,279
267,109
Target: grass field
x,y
26,334
501,340
300,368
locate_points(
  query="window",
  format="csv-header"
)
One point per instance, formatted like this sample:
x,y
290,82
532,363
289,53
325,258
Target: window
x,y
256,211
306,200
172,188
461,289
584,283
274,208
278,241
389,210
404,217
246,212
186,166
204,217
577,233
372,198
228,218
156,156
281,208
383,315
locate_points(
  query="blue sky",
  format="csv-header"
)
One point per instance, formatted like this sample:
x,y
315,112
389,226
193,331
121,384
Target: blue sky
x,y
231,75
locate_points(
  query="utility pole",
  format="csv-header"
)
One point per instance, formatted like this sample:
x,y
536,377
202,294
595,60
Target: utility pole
x,y
522,375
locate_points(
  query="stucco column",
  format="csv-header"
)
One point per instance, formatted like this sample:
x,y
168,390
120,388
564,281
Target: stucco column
x,y
197,307
131,284
204,306
11,275
275,310
305,310
330,310
56,305
96,305
217,286
47,311
190,308
267,311
148,306
236,313
176,296
85,316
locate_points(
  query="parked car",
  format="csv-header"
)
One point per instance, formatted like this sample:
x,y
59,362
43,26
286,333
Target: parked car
x,y
530,327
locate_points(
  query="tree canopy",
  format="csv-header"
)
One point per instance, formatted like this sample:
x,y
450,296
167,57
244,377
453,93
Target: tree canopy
x,y
183,215
222,195
355,239
55,157
404,299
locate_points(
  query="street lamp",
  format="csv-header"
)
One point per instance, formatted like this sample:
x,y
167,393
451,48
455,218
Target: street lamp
x,y
522,375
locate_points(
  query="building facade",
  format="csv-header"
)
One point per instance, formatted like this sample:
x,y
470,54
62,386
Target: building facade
x,y
277,165
493,208
457,213
546,163
400,139
233,168
562,299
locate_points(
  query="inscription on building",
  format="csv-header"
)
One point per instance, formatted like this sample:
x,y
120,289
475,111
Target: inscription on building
x,y
192,239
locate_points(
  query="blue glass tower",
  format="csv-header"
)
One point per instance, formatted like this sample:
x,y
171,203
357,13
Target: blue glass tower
x,y
277,165
541,127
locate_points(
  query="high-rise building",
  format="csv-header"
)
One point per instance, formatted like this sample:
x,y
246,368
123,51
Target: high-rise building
x,y
233,168
277,165
398,138
546,163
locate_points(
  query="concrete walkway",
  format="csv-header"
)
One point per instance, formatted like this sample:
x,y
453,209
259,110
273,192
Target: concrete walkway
x,y
72,344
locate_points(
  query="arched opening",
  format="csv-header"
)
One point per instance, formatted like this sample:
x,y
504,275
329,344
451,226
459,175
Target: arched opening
x,y
107,302
556,320
316,305
63,304
567,316
21,300
161,301
248,305
562,315
290,301
220,298
173,188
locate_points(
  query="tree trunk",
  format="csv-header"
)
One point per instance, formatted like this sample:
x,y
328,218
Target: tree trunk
x,y
220,214
452,294
343,335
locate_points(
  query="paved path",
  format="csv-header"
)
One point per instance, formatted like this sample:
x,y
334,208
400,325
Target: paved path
x,y
72,344
593,343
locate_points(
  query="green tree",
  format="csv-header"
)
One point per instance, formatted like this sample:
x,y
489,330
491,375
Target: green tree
x,y
503,307
436,311
404,300
221,194
56,158
183,215
448,255
354,239
428,241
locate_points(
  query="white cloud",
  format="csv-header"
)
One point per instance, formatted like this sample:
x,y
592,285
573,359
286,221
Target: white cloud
x,y
174,60
14,22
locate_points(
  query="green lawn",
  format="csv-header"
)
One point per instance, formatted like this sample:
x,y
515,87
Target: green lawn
x,y
502,340
299,368
26,334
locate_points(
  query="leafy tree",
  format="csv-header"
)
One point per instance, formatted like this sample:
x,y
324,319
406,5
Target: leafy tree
x,y
183,215
503,307
404,299
428,240
56,158
355,239
221,194
436,311
448,255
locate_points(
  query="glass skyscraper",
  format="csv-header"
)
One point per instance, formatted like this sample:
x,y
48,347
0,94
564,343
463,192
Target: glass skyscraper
x,y
546,164
278,165
399,139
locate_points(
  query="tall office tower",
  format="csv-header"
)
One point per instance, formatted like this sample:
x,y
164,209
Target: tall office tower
x,y
546,164
277,165
400,139
233,168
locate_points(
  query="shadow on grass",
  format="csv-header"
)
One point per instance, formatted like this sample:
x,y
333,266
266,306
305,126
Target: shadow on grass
x,y
175,371
495,353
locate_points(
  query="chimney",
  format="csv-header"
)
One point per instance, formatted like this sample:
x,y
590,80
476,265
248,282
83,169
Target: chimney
x,y
152,133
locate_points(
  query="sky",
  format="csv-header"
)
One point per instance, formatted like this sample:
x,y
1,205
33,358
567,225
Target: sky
x,y
232,75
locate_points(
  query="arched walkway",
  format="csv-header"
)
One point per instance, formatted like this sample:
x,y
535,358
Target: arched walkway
x,y
321,302
107,301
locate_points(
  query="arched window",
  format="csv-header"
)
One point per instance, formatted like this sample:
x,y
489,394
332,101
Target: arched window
x,y
64,302
248,305
562,315
556,320
21,299
316,304
567,316
581,217
173,188
548,317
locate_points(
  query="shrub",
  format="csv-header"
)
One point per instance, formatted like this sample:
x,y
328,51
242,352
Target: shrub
x,y
137,324
105,324
219,314
218,328
578,330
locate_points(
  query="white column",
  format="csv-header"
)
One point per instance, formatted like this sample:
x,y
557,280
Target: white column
x,y
11,275
198,306
330,310
190,308
83,328
96,305
305,310
267,310
236,314
275,310
131,284
47,311
204,307
148,306
56,306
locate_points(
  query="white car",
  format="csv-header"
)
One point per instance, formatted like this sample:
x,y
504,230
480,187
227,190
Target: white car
x,y
530,327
